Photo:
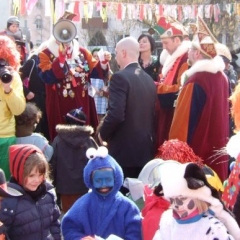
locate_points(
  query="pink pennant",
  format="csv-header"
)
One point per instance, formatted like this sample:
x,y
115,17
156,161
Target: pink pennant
x,y
216,12
98,6
76,11
30,5
119,11
160,9
180,13
23,8
141,12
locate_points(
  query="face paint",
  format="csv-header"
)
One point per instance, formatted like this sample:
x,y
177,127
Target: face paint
x,y
183,206
103,180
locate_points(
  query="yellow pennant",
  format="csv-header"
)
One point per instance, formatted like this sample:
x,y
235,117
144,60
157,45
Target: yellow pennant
x,y
53,15
104,12
16,7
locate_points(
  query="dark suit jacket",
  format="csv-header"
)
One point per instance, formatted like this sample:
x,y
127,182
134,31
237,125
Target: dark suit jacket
x,y
128,126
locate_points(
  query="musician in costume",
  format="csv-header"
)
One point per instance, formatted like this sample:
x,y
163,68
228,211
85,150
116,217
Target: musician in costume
x,y
66,69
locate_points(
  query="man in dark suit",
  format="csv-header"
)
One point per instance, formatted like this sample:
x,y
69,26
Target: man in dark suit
x,y
128,126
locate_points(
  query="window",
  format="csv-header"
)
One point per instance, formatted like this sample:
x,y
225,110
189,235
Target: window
x,y
38,22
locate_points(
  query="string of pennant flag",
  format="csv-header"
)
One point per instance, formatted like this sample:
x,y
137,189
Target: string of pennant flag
x,y
122,10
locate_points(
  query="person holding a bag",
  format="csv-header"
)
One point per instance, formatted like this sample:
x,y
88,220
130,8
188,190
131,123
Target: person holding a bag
x,y
33,85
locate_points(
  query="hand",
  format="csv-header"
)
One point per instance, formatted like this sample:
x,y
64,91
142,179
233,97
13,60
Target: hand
x,y
7,87
62,53
88,238
107,56
30,96
102,143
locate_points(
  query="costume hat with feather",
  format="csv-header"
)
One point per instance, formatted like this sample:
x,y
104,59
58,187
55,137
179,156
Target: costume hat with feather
x,y
204,39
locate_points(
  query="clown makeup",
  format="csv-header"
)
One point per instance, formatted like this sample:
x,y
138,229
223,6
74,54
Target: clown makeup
x,y
103,180
183,206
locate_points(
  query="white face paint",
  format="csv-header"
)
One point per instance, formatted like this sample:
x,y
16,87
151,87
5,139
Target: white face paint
x,y
183,206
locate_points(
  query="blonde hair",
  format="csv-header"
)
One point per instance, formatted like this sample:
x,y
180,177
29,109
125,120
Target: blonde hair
x,y
201,205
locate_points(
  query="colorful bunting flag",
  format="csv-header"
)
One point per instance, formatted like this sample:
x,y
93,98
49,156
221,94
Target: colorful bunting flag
x,y
23,8
16,7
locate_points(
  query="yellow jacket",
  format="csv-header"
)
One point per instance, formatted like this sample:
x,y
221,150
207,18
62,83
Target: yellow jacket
x,y
11,104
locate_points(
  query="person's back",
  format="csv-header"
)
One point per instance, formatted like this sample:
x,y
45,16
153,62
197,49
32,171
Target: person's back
x,y
201,116
128,125
104,210
69,158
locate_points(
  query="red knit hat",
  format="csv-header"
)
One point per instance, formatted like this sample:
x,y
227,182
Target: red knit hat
x,y
18,155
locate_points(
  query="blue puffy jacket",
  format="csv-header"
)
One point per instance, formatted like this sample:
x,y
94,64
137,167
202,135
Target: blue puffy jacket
x,y
27,219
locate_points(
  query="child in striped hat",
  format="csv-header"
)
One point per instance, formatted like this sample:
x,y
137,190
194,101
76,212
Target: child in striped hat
x,y
34,214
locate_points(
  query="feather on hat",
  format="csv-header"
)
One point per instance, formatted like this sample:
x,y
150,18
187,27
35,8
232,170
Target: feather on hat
x,y
204,39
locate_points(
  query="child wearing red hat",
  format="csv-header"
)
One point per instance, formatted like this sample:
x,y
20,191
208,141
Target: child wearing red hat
x,y
34,214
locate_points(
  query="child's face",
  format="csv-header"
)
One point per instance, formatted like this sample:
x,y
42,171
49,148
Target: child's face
x,y
33,180
183,206
13,28
103,180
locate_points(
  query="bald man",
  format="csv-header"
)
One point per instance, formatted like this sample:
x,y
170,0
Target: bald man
x,y
128,126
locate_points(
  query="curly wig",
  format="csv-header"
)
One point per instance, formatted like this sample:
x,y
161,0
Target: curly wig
x,y
9,53
178,151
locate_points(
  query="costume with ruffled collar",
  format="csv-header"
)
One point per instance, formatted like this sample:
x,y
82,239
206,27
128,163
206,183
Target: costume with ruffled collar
x,y
67,85
173,67
201,114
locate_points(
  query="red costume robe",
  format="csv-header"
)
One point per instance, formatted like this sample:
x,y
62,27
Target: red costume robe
x,y
167,90
201,116
67,86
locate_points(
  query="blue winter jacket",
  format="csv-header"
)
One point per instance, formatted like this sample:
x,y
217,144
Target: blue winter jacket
x,y
27,219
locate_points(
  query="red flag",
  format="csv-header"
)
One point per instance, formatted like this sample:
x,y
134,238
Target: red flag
x,y
30,5
180,13
160,10
77,12
119,11
141,12
23,7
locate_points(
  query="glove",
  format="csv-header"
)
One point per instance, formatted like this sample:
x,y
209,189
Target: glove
x,y
61,55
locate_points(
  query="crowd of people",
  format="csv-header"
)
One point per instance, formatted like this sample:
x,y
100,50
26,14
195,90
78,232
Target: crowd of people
x,y
71,131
